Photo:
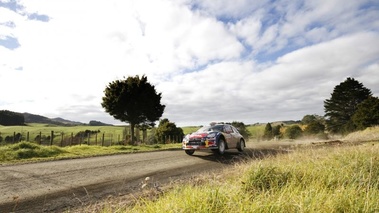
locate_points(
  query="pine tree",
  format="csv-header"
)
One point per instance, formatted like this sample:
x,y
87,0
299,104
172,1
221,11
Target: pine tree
x,y
342,105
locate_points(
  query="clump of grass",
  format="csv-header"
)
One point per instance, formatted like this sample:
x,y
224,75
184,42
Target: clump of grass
x,y
369,134
332,179
27,150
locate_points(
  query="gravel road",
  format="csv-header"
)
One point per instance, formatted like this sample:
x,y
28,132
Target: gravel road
x,y
55,186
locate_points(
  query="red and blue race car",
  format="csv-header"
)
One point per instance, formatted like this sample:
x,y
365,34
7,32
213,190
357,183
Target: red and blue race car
x,y
215,137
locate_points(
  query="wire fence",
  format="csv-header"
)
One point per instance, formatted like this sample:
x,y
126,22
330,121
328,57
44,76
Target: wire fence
x,y
88,137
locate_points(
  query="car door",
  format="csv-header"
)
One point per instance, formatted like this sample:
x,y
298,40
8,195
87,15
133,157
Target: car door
x,y
230,138
236,136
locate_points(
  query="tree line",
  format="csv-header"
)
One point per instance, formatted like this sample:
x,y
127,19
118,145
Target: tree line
x,y
351,107
9,118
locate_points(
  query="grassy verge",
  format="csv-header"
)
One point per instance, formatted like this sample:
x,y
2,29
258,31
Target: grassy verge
x,y
30,152
332,179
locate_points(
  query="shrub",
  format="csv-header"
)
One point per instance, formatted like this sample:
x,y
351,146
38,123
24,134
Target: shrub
x,y
293,132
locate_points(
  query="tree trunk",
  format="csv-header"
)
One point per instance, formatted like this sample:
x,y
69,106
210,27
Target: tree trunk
x,y
132,132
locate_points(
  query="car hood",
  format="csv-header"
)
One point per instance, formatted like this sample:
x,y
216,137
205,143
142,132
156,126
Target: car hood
x,y
198,135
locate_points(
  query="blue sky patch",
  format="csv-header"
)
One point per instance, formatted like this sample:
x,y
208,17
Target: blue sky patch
x,y
9,42
12,5
38,17
20,9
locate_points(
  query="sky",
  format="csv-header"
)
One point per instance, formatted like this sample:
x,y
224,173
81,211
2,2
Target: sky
x,y
252,61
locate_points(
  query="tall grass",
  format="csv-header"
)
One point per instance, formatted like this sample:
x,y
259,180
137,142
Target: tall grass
x,y
25,150
342,179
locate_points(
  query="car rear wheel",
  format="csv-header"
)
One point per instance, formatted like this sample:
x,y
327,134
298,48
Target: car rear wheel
x,y
189,152
221,147
241,146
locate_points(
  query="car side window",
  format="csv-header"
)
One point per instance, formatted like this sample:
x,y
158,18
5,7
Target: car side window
x,y
227,129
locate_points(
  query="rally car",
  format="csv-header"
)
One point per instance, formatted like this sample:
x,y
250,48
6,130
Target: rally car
x,y
215,137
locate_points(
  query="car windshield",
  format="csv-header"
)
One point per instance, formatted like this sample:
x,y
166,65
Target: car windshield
x,y
215,128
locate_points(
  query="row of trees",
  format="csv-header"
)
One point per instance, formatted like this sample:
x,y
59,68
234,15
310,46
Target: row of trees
x,y
310,126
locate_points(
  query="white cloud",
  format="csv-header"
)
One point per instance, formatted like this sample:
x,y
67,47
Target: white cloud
x,y
212,60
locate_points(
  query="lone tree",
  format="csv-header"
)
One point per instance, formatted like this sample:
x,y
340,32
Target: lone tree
x,y
133,100
340,108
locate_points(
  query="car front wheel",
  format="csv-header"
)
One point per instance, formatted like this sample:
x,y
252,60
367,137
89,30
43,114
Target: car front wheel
x,y
189,152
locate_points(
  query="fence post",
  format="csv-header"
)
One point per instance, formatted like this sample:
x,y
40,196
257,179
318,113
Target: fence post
x,y
88,139
96,139
61,139
40,138
27,136
51,138
102,140
80,139
14,137
72,138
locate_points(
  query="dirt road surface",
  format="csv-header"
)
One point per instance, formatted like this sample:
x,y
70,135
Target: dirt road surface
x,y
56,186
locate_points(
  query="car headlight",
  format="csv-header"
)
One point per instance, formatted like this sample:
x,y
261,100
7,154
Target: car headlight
x,y
211,135
186,139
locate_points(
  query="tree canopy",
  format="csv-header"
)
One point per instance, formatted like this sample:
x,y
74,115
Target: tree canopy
x,y
342,105
133,100
367,113
293,132
308,119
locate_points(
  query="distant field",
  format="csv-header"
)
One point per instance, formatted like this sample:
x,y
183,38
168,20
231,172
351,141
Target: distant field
x,y
31,131
256,131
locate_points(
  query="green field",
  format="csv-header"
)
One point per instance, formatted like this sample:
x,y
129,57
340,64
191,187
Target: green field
x,y
31,131
73,135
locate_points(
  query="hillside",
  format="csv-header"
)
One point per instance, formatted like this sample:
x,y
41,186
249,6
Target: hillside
x,y
32,118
